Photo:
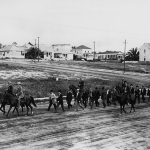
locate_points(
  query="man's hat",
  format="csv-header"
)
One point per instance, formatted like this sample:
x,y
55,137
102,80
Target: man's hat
x,y
19,83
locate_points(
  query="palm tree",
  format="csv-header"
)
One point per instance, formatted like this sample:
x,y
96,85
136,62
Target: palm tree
x,y
132,55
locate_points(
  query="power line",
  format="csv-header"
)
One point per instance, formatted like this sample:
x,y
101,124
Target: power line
x,y
70,26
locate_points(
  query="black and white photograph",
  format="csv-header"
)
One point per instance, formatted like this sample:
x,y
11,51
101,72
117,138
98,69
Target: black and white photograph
x,y
74,75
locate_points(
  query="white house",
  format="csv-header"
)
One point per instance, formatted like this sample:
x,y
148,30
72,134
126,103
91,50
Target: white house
x,y
57,51
82,50
12,51
144,52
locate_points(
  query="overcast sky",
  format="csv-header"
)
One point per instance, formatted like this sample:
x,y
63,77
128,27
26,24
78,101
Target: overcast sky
x,y
76,22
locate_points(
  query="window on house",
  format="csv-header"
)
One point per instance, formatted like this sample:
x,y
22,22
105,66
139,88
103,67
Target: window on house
x,y
144,51
3,54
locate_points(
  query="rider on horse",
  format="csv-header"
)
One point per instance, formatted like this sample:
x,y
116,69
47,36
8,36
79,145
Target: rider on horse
x,y
20,93
81,85
9,89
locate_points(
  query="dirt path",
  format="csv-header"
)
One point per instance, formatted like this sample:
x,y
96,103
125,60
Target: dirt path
x,y
95,129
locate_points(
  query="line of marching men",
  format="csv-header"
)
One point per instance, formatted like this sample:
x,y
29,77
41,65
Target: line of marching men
x,y
91,97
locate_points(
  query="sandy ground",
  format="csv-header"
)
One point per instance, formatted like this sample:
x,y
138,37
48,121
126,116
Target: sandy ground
x,y
97,129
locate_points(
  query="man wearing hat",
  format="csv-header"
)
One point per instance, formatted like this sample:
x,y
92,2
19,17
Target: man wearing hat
x,y
60,100
10,89
20,93
78,100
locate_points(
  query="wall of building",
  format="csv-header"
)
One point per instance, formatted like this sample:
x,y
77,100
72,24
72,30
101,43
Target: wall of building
x,y
144,53
12,54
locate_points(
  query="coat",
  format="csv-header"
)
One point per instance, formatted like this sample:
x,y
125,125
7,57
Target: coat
x,y
131,90
60,98
52,97
137,92
148,92
20,92
143,91
10,90
69,96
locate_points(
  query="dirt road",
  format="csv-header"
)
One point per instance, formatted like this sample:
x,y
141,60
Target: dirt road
x,y
87,129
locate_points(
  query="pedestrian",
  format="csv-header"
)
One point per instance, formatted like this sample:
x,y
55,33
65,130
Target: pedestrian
x,y
148,93
78,100
91,97
60,100
108,97
96,96
85,97
103,97
69,98
143,93
137,94
52,101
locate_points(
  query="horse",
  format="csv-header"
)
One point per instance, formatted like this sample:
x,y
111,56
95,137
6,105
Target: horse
x,y
9,99
124,99
27,101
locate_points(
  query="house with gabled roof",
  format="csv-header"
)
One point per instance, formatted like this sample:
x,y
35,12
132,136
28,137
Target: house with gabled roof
x,y
57,51
12,51
144,52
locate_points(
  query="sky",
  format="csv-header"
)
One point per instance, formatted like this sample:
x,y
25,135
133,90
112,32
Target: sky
x,y
108,23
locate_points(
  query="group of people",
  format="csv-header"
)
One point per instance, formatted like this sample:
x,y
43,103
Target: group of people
x,y
89,96
85,96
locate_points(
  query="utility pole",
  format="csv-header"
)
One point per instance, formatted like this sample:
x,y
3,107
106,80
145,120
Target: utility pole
x,y
94,50
124,53
35,49
38,48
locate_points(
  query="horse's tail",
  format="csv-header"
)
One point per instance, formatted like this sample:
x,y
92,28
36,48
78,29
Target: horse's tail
x,y
32,101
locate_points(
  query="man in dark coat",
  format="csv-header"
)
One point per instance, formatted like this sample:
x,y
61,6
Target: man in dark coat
x,y
96,96
143,93
10,89
85,97
131,89
148,93
108,97
126,89
137,94
78,100
91,97
69,98
103,96
81,85
60,100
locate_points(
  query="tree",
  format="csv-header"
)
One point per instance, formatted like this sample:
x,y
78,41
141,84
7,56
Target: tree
x,y
33,53
132,55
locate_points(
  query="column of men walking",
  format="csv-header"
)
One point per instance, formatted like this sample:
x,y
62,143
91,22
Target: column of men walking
x,y
83,96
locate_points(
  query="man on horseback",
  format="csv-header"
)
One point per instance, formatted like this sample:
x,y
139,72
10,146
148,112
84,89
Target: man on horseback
x,y
20,93
10,89
81,85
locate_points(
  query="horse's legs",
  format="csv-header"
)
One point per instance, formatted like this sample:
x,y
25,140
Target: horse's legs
x,y
22,108
13,110
124,109
31,109
9,110
17,110
120,109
